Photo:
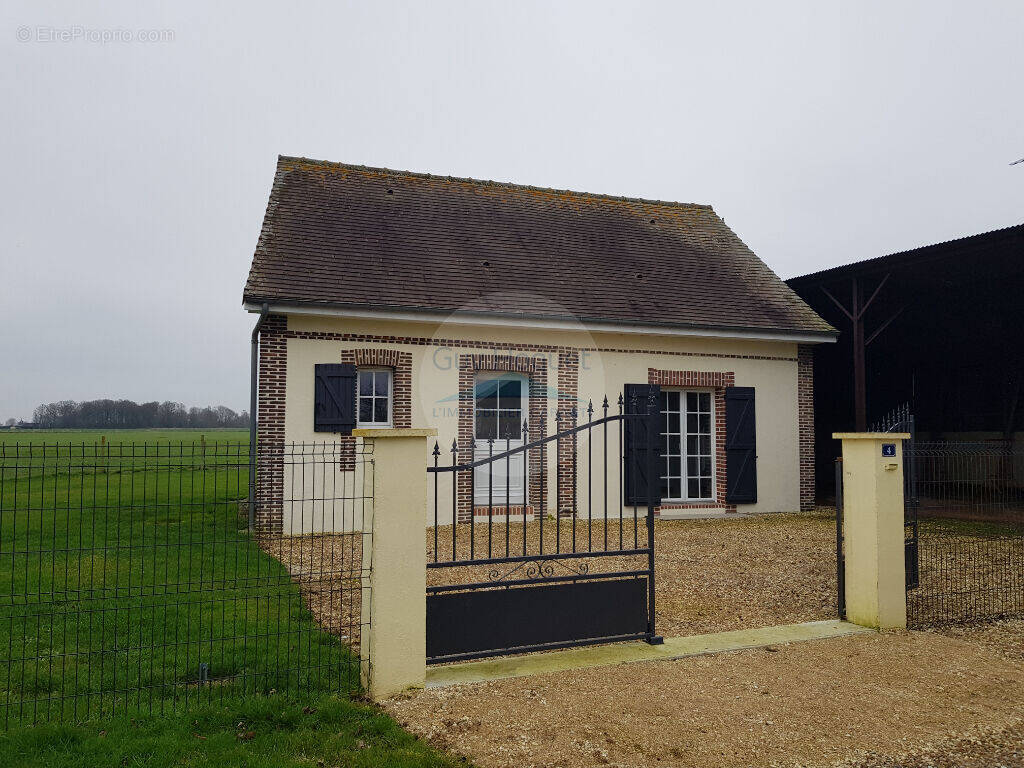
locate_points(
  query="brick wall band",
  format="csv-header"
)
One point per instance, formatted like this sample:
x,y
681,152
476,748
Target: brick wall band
x,y
551,350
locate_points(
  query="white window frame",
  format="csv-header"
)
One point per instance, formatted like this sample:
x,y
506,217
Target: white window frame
x,y
390,397
685,498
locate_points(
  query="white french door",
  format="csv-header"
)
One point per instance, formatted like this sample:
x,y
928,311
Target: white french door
x,y
499,407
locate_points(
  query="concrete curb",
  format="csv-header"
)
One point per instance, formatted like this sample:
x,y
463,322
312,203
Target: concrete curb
x,y
624,653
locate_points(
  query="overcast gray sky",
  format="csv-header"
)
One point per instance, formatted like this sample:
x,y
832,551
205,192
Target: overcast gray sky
x,y
136,171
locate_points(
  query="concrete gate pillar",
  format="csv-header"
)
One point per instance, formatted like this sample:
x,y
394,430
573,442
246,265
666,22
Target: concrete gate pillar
x,y
393,646
876,593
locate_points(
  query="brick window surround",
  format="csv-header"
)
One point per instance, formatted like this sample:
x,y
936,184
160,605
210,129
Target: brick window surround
x,y
536,371
400,364
717,381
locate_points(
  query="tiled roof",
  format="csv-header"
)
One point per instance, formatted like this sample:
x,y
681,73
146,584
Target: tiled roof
x,y
352,236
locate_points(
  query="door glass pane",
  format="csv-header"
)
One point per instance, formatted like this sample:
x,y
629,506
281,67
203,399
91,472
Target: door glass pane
x,y
487,394
509,426
510,393
486,425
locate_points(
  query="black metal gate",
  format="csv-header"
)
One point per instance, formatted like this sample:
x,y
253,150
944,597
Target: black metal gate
x,y
505,578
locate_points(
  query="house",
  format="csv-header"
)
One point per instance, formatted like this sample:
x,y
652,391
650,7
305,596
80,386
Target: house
x,y
398,299
936,328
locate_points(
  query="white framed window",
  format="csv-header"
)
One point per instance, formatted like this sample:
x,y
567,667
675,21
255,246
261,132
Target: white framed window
x,y
498,406
373,397
687,446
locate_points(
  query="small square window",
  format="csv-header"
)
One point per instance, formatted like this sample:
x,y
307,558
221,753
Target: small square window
x,y
374,396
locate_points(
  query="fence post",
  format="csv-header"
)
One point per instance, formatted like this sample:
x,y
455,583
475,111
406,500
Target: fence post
x,y
872,509
393,646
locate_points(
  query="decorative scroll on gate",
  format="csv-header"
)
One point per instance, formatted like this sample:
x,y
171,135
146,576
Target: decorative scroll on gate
x,y
512,579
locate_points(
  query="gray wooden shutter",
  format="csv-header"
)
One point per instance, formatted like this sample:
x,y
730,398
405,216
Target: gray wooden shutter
x,y
334,398
740,446
636,442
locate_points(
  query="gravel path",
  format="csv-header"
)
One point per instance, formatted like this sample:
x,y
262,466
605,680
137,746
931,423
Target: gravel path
x,y
858,700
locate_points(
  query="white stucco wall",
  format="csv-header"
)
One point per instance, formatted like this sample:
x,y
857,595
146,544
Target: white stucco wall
x,y
435,383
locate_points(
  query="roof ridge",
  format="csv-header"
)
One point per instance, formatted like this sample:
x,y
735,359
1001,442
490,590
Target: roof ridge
x,y
491,182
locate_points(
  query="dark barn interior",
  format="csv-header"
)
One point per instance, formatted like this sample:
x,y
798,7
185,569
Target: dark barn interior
x,y
942,329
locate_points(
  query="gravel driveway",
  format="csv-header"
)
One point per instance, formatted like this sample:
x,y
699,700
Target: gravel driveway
x,y
710,575
893,699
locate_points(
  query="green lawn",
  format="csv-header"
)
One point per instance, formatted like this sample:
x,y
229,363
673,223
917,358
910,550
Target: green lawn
x,y
141,623
254,732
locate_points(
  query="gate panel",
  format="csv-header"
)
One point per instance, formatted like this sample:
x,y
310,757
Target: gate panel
x,y
512,579
464,624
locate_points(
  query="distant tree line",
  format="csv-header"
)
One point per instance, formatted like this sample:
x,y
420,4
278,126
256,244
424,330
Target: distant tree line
x,y
126,414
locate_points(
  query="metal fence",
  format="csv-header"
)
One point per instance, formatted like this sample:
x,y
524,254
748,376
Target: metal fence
x,y
131,579
969,503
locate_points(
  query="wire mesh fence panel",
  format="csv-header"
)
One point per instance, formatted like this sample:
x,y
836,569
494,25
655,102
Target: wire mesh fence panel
x,y
133,580
970,507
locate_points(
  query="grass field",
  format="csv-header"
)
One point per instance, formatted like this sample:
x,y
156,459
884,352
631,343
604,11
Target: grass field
x,y
140,621
120,436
